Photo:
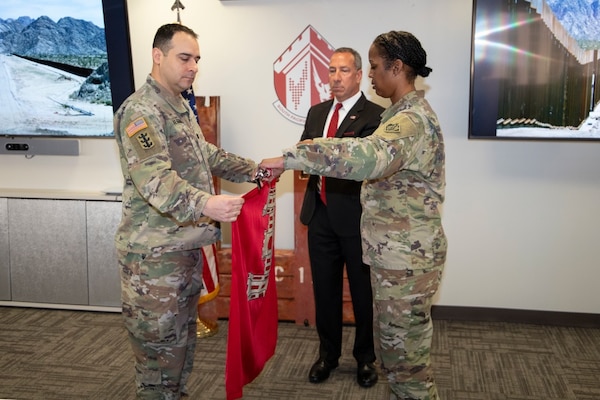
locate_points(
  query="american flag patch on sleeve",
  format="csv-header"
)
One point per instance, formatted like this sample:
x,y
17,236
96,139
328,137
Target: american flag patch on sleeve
x,y
136,126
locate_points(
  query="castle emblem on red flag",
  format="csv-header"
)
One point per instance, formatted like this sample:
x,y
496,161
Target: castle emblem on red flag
x,y
300,75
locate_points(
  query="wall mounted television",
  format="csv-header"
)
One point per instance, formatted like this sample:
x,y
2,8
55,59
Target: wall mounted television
x,y
65,67
534,70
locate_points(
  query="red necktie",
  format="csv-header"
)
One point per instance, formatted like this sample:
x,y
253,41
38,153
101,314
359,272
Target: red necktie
x,y
331,129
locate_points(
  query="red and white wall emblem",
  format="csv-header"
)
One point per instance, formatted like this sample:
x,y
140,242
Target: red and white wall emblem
x,y
301,76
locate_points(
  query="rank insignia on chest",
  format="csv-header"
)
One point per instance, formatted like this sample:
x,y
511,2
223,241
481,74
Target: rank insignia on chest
x,y
392,128
136,126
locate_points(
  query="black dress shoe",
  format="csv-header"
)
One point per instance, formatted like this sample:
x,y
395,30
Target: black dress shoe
x,y
366,375
320,371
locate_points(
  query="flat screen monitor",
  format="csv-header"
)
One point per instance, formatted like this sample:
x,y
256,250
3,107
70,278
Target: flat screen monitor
x,y
534,70
65,67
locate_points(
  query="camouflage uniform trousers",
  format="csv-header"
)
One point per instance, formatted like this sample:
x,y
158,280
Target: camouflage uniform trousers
x,y
402,323
160,299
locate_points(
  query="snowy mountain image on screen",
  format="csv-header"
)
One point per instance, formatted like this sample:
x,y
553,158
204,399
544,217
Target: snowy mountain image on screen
x,y
54,77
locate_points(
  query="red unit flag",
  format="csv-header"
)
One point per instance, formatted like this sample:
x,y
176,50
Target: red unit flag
x,y
252,335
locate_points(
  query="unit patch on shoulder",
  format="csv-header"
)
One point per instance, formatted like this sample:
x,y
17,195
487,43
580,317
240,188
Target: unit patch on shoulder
x,y
145,141
136,126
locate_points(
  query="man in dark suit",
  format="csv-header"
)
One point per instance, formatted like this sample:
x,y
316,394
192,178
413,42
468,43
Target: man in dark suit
x,y
333,225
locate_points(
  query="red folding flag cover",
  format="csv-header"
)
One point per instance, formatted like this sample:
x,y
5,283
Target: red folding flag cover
x,y
252,335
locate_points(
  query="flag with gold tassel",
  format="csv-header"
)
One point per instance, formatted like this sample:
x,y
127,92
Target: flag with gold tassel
x,y
210,270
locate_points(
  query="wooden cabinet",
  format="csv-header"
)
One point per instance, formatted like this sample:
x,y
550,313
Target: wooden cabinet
x,y
305,306
284,278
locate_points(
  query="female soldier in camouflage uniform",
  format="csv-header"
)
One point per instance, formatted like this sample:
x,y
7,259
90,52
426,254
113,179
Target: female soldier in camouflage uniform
x,y
402,166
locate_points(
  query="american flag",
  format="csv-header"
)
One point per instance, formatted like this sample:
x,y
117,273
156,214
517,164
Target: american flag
x,y
191,98
210,270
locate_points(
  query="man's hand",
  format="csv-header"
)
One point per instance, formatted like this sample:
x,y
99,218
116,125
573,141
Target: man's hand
x,y
223,207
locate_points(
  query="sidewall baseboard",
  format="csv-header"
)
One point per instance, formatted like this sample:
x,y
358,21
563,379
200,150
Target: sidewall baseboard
x,y
583,320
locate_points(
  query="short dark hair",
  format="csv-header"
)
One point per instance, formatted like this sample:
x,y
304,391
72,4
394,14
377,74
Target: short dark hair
x,y
357,58
403,46
164,35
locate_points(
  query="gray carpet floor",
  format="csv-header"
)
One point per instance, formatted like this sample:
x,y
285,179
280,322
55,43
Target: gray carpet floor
x,y
61,354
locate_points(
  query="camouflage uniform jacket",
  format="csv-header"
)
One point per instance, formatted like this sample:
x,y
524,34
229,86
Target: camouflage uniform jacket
x,y
402,168
168,170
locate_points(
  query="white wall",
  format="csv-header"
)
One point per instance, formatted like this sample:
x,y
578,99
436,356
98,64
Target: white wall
x,y
519,216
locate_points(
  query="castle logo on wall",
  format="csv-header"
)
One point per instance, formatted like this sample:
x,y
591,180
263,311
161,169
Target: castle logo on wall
x,y
301,75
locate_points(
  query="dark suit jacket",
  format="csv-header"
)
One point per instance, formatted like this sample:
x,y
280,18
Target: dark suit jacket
x,y
343,196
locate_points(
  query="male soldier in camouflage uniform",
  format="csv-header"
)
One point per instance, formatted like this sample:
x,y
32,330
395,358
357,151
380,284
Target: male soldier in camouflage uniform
x,y
169,205
402,166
